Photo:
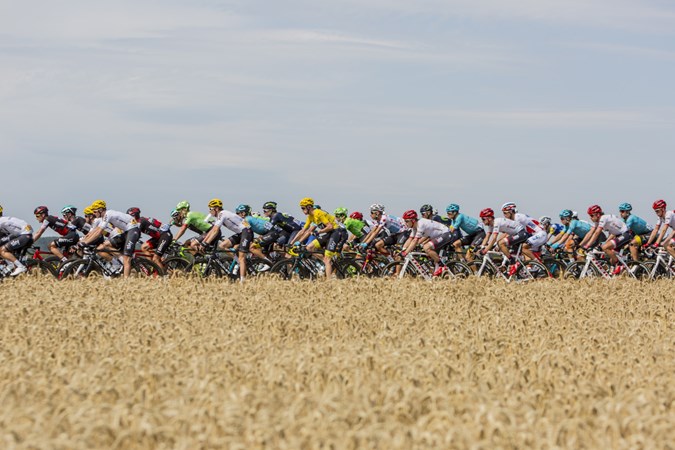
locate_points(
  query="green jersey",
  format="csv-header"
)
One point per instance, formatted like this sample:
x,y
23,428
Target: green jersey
x,y
197,222
355,226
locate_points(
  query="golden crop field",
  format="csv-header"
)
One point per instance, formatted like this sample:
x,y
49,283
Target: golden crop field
x,y
390,364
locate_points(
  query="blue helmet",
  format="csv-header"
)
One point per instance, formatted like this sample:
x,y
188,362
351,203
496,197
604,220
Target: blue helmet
x,y
566,213
243,208
625,207
452,207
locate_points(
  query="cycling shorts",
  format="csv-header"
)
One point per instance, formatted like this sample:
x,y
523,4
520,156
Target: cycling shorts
x,y
474,239
537,240
161,243
621,241
19,243
68,240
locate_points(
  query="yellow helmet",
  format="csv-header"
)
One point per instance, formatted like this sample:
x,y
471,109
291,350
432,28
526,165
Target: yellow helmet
x,y
307,202
98,204
0,209
88,211
215,203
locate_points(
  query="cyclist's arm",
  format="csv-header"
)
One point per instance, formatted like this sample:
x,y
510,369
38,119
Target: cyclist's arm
x,y
328,227
410,244
372,234
181,232
210,235
591,236
94,234
662,235
40,232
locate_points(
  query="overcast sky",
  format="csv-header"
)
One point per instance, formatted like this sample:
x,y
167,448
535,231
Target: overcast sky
x,y
551,104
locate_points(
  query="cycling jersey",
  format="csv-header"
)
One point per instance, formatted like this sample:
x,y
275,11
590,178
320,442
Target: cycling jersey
x,y
504,225
231,221
197,222
392,224
152,227
61,226
259,225
285,222
429,228
109,231
80,224
13,227
468,225
668,219
579,228
555,229
121,220
530,225
612,224
444,220
321,219
357,227
638,225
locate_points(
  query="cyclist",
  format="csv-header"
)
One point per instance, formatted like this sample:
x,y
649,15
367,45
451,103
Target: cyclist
x,y
194,221
618,234
387,230
430,234
16,236
429,212
340,215
323,225
243,235
504,233
357,227
160,235
285,226
80,223
575,231
131,232
552,229
466,230
537,235
639,228
261,227
666,219
68,232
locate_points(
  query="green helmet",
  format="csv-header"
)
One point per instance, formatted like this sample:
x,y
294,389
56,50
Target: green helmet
x,y
340,211
183,205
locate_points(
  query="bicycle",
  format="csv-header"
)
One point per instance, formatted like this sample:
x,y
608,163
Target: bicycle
x,y
301,264
36,267
662,266
494,264
93,263
419,264
596,265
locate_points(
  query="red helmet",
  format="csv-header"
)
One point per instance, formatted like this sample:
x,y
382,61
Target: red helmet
x,y
594,209
487,212
356,215
410,214
41,210
659,204
134,212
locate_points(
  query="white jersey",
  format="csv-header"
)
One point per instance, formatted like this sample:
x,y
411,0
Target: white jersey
x,y
504,225
14,227
392,224
429,228
668,219
231,221
528,223
108,230
612,224
123,221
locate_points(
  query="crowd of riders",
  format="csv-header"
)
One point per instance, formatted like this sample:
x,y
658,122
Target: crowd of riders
x,y
326,234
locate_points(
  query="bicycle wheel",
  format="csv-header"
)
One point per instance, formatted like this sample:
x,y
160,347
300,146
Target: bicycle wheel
x,y
145,268
656,274
459,269
176,265
555,266
347,268
80,268
256,267
289,269
206,268
488,270
639,271
393,270
39,269
532,270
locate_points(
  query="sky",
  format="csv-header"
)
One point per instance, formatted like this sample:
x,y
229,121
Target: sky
x,y
551,104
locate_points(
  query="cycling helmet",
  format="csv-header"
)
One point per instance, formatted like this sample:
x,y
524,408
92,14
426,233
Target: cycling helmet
x,y
545,220
575,215
411,214
183,205
270,205
241,208
452,207
509,206
340,211
98,204
376,207
355,215
134,212
175,213
307,201
566,213
487,212
625,207
317,206
426,208
215,203
0,210
69,209
41,210
88,211
594,209
659,204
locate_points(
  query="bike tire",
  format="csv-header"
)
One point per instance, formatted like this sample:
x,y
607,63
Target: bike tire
x,y
459,269
289,269
145,268
177,265
660,273
347,268
78,269
639,270
39,269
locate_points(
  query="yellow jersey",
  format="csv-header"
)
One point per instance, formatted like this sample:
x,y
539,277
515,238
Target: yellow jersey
x,y
320,218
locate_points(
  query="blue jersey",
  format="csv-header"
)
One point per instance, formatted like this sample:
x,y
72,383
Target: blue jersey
x,y
286,222
555,229
638,225
579,228
467,224
258,225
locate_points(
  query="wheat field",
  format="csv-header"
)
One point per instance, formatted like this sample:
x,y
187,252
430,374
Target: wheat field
x,y
387,364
